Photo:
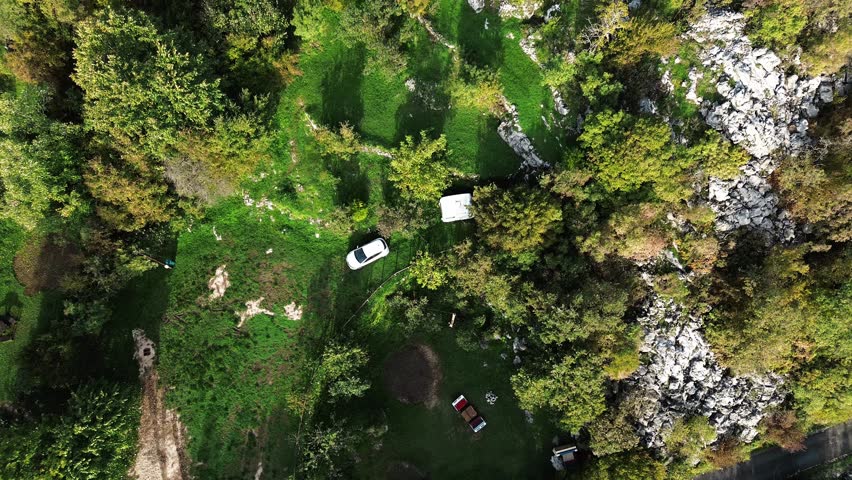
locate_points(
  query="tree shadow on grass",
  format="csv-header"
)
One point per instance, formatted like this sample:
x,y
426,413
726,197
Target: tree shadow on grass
x,y
341,88
425,111
354,184
479,46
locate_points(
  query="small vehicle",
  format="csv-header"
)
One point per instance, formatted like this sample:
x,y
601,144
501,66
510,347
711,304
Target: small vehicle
x,y
369,253
455,207
468,414
459,403
477,424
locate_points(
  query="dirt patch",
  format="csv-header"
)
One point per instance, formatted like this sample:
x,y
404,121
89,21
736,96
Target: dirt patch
x,y
413,374
161,452
41,264
219,283
253,309
404,471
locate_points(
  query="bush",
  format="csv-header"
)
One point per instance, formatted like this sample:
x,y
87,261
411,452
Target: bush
x,y
517,221
419,170
776,23
783,428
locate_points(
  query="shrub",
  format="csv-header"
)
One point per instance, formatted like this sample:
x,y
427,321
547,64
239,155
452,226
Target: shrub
x,y
777,23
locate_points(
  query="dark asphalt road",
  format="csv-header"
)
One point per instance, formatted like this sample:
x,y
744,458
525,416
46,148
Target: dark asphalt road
x,y
776,464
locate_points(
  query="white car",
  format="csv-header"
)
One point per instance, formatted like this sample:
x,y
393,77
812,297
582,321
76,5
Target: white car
x,y
455,207
367,254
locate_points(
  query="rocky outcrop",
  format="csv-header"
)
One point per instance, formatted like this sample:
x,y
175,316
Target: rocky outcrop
x,y
511,132
749,202
476,5
763,109
682,378
523,11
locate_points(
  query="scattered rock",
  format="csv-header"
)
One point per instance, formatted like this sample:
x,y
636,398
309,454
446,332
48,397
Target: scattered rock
x,y
216,235
682,378
144,353
219,283
491,398
523,11
253,309
293,311
476,5
511,133
762,107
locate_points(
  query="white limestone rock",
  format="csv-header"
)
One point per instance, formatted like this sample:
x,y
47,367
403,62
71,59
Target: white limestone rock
x,y
682,378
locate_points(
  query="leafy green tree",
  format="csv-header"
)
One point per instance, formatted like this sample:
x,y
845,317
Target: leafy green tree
x,y
139,89
719,157
95,438
628,152
634,465
817,195
635,233
776,23
128,200
763,324
689,438
643,36
427,271
479,89
517,221
339,372
39,160
419,169
613,432
254,33
572,389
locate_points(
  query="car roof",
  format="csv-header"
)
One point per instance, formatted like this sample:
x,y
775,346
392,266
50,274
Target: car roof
x,y
455,206
374,247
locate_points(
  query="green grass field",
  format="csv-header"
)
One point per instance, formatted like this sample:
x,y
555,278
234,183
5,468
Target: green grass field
x,y
234,387
32,312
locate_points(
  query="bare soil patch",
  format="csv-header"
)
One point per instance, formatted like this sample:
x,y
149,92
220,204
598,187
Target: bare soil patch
x,y
162,437
413,374
405,471
161,453
41,264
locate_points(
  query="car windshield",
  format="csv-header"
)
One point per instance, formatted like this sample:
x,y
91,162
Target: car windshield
x,y
359,255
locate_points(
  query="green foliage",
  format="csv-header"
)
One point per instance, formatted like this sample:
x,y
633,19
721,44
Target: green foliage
x,y
517,221
828,53
764,328
628,152
571,389
412,314
376,25
818,196
689,438
310,21
717,156
641,37
125,202
635,233
584,78
140,90
427,272
634,465
39,160
343,144
323,451
823,390
479,89
338,371
94,439
613,432
776,23
419,170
